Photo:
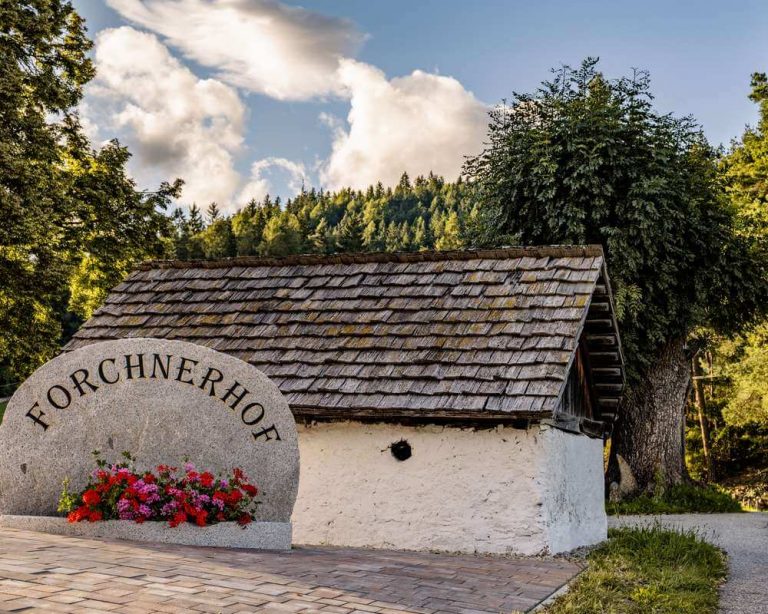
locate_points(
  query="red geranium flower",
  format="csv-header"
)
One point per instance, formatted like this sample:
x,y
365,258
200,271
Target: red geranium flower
x,y
244,519
178,518
79,514
234,497
91,497
118,491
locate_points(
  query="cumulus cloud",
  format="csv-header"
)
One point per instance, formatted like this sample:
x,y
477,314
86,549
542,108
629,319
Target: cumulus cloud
x,y
175,123
178,124
260,185
285,52
418,123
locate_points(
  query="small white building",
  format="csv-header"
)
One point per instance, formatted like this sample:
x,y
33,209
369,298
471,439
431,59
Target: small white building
x,y
449,401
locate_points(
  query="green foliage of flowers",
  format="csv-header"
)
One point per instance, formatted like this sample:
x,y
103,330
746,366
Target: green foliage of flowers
x,y
67,499
678,499
647,570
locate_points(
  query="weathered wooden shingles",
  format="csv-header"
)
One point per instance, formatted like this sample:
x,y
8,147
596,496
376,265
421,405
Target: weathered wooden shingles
x,y
431,337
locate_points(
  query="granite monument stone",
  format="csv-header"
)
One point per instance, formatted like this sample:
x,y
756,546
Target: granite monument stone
x,y
161,400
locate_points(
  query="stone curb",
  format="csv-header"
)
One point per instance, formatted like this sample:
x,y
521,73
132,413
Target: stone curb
x,y
257,535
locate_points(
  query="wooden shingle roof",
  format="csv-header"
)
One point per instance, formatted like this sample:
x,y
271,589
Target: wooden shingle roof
x,y
460,334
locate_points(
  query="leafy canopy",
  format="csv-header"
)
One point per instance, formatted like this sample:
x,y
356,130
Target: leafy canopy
x,y
70,214
745,168
588,160
741,362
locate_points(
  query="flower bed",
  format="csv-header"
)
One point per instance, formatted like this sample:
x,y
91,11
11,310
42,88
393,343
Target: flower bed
x,y
119,492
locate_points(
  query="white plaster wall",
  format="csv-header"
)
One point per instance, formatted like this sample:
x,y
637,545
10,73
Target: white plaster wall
x,y
574,497
462,490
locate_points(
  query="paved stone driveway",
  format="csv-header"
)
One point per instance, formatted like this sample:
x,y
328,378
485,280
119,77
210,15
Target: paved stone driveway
x,y
40,572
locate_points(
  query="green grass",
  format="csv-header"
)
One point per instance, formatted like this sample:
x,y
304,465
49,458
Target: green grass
x,y
2,410
647,570
680,499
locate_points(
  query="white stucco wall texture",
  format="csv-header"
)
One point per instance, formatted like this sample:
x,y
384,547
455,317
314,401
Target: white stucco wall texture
x,y
497,490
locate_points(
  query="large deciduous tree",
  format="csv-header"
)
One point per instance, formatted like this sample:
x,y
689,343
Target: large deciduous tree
x,y
588,160
68,212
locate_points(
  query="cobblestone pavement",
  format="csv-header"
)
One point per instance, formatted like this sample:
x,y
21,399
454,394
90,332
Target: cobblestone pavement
x,y
744,537
40,572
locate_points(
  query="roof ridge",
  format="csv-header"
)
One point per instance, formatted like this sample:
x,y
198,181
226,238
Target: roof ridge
x,y
542,251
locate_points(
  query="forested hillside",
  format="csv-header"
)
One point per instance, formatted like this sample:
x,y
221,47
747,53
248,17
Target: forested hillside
x,y
426,213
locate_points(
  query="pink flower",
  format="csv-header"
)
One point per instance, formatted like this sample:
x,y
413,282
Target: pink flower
x,y
125,509
169,509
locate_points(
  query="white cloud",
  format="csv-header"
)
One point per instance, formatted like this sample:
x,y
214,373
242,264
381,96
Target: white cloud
x,y
260,185
288,53
180,125
418,123
174,123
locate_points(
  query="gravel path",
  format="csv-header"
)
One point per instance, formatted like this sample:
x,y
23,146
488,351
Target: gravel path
x,y
744,537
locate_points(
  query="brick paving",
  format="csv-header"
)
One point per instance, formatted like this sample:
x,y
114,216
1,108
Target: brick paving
x,y
49,573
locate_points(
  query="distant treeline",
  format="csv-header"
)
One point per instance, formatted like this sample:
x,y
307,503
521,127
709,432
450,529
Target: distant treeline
x,y
426,213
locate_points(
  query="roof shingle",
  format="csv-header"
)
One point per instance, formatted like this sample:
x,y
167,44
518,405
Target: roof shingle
x,y
426,334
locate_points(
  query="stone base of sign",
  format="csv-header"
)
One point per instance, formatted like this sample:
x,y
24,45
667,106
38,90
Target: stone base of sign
x,y
257,535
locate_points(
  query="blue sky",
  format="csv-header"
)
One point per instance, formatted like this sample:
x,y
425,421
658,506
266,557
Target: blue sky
x,y
289,122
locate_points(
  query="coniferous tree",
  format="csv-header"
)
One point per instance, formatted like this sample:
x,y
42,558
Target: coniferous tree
x,y
196,223
450,235
282,236
349,233
420,239
213,213
410,217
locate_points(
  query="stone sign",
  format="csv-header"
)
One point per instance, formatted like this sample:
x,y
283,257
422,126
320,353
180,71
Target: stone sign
x,y
163,401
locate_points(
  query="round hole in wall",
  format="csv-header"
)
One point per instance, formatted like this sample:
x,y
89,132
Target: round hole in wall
x,y
401,450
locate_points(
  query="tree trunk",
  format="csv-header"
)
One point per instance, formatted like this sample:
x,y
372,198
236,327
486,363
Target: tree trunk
x,y
701,409
649,434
